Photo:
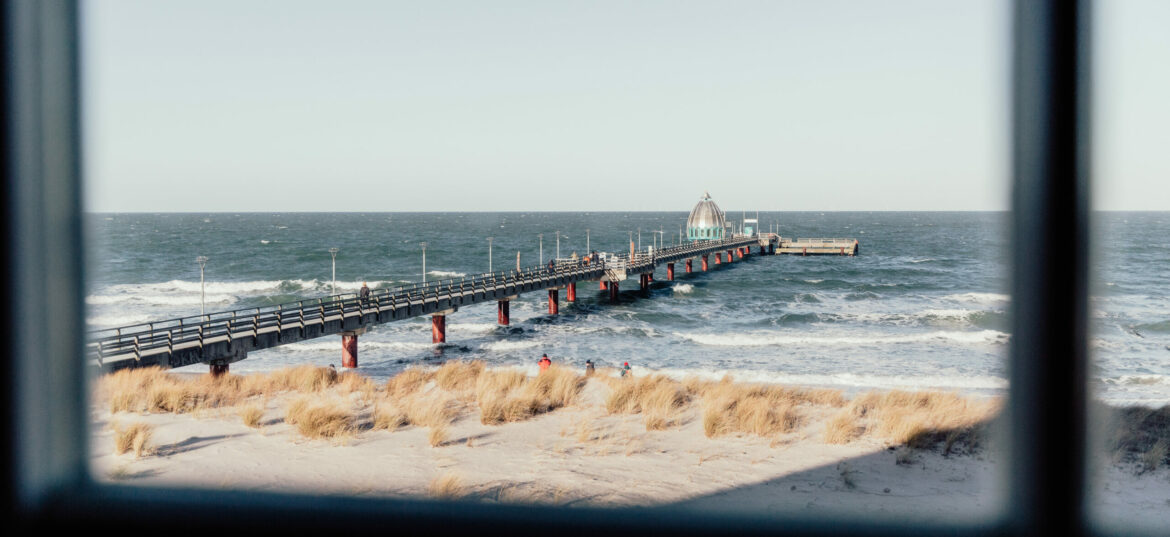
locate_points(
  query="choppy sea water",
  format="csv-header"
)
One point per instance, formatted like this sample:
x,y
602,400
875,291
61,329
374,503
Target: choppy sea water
x,y
923,306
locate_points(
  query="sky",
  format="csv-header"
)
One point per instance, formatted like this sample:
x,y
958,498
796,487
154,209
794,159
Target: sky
x,y
584,106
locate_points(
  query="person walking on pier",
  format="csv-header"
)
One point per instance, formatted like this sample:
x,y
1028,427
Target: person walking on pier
x,y
589,368
544,363
552,266
364,294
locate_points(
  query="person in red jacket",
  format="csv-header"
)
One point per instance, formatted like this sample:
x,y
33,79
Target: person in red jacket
x,y
544,363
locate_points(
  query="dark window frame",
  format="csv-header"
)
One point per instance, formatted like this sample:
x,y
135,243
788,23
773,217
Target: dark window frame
x,y
46,416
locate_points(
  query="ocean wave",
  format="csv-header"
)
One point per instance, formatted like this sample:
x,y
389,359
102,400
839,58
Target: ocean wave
x,y
979,298
335,346
1160,327
759,339
683,288
119,320
1138,380
472,328
183,292
446,274
843,380
159,300
506,345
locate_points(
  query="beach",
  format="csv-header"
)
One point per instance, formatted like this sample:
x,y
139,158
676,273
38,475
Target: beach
x,y
582,454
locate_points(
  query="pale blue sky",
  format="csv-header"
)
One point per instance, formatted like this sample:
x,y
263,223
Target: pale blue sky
x,y
436,106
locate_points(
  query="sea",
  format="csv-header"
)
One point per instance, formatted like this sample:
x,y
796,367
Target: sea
x,y
924,306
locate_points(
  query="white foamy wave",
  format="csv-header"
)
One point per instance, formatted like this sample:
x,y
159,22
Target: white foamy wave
x,y
683,288
119,320
760,339
928,259
845,380
471,328
813,281
262,241
1138,380
158,300
509,345
446,274
979,298
334,345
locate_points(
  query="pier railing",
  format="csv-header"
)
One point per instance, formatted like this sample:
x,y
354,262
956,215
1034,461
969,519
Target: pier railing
x,y
165,336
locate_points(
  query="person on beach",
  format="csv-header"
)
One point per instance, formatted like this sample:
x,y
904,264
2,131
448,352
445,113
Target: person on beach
x,y
588,368
626,370
544,363
364,293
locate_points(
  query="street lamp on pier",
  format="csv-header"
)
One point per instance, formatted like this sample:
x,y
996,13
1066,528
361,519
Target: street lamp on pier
x,y
587,248
541,237
333,253
490,253
202,260
558,244
424,250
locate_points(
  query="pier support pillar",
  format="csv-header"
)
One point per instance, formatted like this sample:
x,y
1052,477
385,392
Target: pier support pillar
x,y
571,291
688,269
438,328
771,249
718,258
729,257
349,349
613,292
704,263
602,285
502,314
219,370
739,252
553,295
644,281
670,271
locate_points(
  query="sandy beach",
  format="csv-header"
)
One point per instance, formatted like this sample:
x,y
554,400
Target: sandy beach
x,y
581,453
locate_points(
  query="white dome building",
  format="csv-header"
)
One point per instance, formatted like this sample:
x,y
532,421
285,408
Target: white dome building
x,y
706,221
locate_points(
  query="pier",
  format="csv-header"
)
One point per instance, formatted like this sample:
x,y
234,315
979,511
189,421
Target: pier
x,y
219,339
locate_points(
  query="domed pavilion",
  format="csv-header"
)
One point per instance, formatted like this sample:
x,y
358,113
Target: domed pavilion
x,y
706,221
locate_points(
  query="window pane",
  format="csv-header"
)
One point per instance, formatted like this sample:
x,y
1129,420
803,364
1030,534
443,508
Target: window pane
x,y
1131,292
230,147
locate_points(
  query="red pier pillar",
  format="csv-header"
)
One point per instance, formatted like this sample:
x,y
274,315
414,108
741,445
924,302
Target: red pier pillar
x,y
739,252
349,349
670,272
718,258
729,258
219,370
688,266
553,295
704,263
438,328
613,292
602,285
502,315
571,292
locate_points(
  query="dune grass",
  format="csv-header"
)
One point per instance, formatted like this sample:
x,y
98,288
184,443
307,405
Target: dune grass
x,y
762,410
508,396
251,415
134,437
447,487
660,399
1141,434
320,419
915,419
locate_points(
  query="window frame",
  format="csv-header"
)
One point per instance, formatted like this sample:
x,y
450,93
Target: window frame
x,y
46,417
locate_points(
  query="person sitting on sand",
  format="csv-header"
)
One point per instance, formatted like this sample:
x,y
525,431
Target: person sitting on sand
x,y
588,368
626,370
544,363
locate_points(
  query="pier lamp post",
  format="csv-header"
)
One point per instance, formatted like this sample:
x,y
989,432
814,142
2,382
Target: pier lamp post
x,y
424,249
540,236
558,244
202,260
587,248
639,239
490,253
333,253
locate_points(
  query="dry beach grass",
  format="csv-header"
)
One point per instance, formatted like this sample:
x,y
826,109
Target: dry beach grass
x,y
328,405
